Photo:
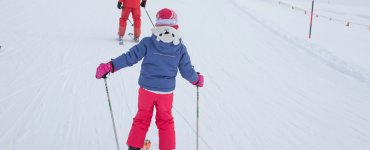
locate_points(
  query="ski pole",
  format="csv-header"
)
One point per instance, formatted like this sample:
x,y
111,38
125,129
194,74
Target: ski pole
x,y
149,16
111,112
130,22
197,143
197,122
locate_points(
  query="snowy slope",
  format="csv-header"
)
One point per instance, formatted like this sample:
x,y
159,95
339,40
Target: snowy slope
x,y
267,86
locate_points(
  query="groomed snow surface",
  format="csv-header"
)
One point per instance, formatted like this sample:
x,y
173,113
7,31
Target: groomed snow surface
x,y
267,86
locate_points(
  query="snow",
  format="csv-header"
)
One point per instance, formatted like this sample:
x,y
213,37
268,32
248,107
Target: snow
x,y
267,86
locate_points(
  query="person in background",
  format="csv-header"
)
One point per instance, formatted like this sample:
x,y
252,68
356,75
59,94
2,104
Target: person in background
x,y
130,6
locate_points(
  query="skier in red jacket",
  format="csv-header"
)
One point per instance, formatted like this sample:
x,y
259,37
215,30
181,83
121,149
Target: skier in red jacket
x,y
130,6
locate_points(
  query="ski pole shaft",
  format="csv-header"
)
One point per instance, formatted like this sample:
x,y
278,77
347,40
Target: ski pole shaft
x,y
197,143
197,123
130,22
149,16
111,113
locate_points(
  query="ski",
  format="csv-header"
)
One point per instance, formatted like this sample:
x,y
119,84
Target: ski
x,y
131,35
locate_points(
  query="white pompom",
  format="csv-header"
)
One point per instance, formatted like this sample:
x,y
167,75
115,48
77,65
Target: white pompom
x,y
176,41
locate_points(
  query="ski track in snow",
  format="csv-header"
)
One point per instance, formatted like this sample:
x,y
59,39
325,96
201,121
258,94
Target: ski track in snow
x,y
51,96
192,129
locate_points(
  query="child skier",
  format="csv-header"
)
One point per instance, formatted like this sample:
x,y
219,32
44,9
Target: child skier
x,y
130,6
163,55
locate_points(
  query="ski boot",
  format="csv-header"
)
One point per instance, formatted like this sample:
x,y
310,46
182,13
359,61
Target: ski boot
x,y
133,148
120,40
147,144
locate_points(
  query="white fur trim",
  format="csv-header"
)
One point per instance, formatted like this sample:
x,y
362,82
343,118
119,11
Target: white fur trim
x,y
173,35
169,22
159,92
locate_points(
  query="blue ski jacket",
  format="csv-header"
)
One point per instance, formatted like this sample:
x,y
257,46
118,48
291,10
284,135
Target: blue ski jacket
x,y
160,64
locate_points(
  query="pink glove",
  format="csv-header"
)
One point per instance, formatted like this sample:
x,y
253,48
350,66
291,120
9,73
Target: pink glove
x,y
103,70
200,81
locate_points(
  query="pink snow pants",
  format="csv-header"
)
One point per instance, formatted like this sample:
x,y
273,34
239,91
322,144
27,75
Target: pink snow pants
x,y
164,120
